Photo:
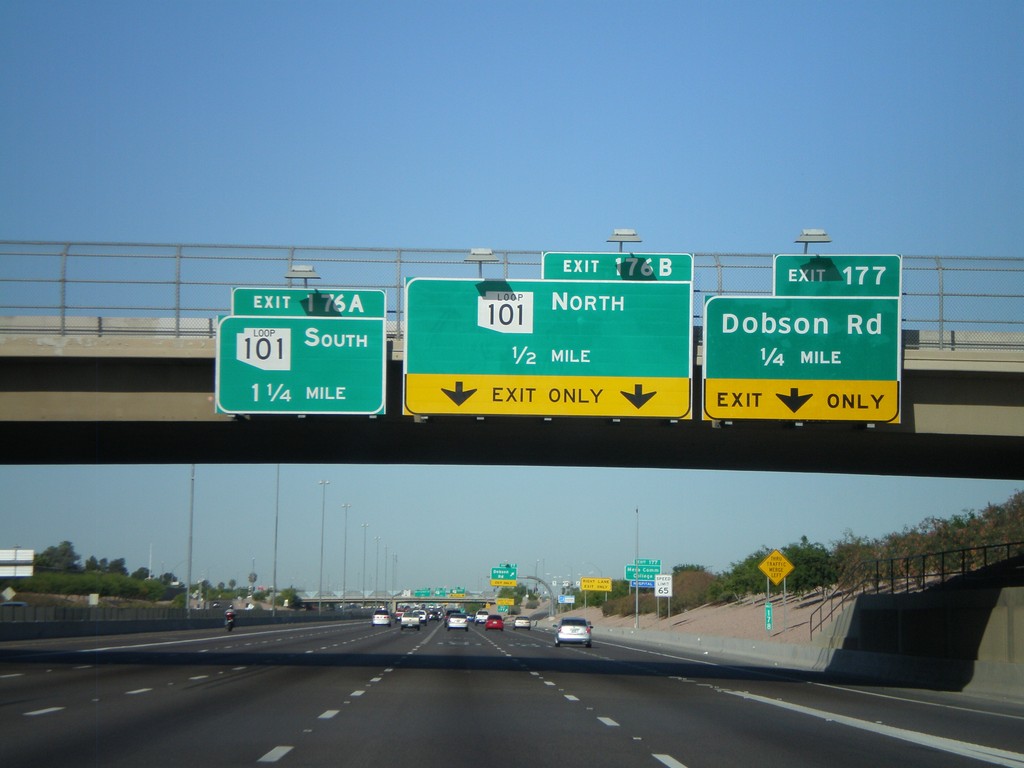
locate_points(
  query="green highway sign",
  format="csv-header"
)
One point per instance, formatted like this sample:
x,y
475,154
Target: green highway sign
x,y
642,572
303,365
644,267
308,302
548,348
839,275
505,572
802,358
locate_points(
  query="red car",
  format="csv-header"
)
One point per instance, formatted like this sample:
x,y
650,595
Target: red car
x,y
494,621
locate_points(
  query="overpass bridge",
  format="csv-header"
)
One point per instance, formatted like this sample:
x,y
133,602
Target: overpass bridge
x,y
107,356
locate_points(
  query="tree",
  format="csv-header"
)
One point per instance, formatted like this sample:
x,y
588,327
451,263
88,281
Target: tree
x,y
61,558
141,573
118,566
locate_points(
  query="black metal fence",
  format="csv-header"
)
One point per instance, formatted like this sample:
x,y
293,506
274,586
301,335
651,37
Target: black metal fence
x,y
967,567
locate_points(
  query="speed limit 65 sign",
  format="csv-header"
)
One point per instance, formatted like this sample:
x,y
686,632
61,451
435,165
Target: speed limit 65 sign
x,y
663,585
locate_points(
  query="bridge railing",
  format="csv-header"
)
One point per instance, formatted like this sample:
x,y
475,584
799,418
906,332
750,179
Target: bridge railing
x,y
179,289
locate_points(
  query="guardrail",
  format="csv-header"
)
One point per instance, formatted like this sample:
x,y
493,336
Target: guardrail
x,y
914,573
65,288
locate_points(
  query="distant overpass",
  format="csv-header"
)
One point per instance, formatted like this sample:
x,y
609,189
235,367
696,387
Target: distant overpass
x,y
107,356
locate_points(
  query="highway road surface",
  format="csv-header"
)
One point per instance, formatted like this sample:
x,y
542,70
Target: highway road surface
x,y
347,693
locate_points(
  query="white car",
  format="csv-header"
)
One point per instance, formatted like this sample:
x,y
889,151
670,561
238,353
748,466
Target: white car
x,y
457,621
411,620
481,616
381,618
422,616
573,630
522,622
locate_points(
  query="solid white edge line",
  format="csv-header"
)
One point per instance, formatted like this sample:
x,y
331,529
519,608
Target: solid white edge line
x,y
962,748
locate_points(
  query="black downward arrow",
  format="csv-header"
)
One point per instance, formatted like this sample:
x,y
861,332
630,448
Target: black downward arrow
x,y
458,395
794,400
638,397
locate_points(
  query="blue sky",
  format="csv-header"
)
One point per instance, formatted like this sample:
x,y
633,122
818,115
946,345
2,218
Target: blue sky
x,y
707,126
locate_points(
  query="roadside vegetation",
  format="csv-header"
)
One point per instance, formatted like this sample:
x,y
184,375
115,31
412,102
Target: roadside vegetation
x,y
59,570
817,566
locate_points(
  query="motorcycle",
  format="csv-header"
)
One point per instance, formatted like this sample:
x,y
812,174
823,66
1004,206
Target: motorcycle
x,y
229,620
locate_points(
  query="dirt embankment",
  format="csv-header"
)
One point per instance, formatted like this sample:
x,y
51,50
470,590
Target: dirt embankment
x,y
745,620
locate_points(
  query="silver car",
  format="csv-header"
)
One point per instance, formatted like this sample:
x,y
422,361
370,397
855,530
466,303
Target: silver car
x,y
573,630
457,621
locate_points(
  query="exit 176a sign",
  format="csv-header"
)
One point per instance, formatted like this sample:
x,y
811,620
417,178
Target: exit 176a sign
x,y
802,358
296,351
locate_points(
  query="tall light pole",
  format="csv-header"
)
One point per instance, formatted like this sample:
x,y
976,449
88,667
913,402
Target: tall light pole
x,y
376,567
388,594
344,558
273,578
191,511
323,511
636,575
362,588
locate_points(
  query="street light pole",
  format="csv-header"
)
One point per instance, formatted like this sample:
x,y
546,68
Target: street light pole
x,y
277,512
362,587
376,567
323,510
344,559
636,574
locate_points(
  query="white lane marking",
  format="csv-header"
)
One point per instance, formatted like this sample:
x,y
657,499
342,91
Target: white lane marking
x,y
275,754
962,748
328,714
906,699
47,711
548,682
137,690
608,721
570,697
376,679
214,639
13,674
357,693
198,677
668,760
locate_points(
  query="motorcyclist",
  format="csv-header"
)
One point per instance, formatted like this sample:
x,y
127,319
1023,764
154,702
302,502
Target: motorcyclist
x,y
229,619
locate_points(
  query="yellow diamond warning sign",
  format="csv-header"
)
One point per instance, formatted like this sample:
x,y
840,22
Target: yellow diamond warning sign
x,y
776,567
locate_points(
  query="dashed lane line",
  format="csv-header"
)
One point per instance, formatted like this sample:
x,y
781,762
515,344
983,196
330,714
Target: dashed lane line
x,y
668,760
275,754
47,711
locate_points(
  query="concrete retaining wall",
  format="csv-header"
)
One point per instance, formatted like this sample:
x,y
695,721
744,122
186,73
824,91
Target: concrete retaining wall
x,y
990,679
